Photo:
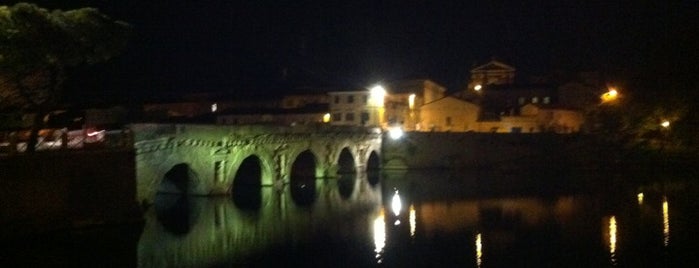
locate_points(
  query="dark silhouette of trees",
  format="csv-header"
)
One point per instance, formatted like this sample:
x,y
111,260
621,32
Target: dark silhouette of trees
x,y
37,48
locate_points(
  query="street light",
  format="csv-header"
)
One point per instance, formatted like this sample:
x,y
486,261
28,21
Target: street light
x,y
611,95
665,124
376,96
376,103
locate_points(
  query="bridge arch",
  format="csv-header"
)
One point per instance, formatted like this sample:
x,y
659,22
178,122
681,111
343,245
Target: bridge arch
x,y
180,179
346,184
373,162
249,172
246,184
303,178
345,162
373,168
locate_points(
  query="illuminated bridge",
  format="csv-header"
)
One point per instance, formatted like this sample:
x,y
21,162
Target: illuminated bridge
x,y
216,159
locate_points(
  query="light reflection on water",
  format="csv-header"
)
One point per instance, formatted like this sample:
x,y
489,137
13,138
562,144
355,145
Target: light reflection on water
x,y
479,250
612,240
342,225
666,222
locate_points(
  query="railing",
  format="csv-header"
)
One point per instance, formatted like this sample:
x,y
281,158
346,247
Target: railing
x,y
14,142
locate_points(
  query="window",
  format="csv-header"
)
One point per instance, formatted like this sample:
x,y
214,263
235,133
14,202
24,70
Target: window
x,y
350,99
365,99
365,117
535,100
349,117
448,121
337,99
337,117
520,100
547,100
516,130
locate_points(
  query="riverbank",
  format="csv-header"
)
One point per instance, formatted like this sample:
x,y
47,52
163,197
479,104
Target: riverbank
x,y
67,189
496,151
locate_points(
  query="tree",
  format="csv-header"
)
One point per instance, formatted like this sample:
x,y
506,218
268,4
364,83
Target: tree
x,y
37,47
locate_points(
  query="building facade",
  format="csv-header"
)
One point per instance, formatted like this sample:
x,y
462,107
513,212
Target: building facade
x,y
354,108
449,114
492,73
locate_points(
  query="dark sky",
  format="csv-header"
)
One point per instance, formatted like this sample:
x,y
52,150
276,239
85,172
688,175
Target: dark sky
x,y
264,47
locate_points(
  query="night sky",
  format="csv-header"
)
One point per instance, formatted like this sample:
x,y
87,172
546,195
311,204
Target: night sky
x,y
262,48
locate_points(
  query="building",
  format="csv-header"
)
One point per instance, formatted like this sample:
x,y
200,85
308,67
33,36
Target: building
x,y
357,107
393,104
492,73
309,114
302,100
449,114
405,98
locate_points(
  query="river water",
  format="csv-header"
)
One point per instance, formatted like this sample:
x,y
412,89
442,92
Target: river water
x,y
414,219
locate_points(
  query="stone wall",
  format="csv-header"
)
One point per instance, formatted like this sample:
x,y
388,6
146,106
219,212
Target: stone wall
x,y
66,189
420,150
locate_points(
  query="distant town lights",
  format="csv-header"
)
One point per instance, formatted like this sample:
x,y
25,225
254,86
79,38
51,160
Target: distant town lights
x,y
610,95
665,124
477,87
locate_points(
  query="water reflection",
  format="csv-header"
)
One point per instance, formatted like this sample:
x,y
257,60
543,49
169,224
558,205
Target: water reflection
x,y
202,232
612,240
396,204
176,213
666,223
247,196
479,250
303,191
325,223
413,222
346,184
379,229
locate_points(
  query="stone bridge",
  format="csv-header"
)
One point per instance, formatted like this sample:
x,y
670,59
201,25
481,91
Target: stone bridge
x,y
215,159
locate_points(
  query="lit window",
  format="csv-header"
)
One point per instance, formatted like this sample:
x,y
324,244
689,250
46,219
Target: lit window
x,y
214,107
535,100
547,100
520,100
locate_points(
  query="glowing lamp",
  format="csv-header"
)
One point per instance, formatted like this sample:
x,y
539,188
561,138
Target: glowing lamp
x,y
411,101
395,133
376,96
665,124
610,95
